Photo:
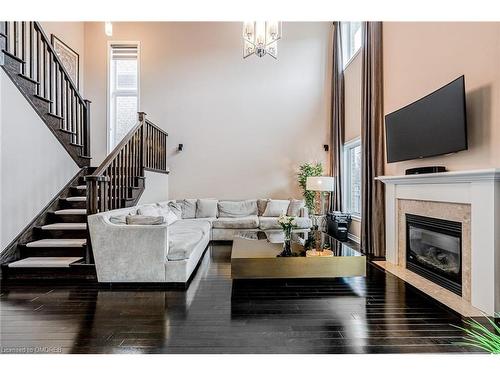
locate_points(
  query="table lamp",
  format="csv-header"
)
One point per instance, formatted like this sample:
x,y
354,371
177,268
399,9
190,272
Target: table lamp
x,y
322,184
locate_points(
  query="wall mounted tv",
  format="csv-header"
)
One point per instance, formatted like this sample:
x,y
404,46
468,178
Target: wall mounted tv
x,y
433,125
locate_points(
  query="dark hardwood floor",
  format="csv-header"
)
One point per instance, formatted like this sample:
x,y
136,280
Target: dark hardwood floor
x,y
376,314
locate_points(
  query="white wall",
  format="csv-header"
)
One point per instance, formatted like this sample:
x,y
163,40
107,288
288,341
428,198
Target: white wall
x,y
420,57
156,188
72,34
34,165
246,125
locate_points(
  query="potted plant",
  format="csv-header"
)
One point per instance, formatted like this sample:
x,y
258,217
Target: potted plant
x,y
309,170
479,336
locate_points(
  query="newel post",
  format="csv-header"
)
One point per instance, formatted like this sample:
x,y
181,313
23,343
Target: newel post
x,y
86,129
97,194
142,119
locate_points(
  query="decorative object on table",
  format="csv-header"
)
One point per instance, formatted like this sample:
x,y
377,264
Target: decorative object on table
x,y
309,170
338,224
322,185
480,336
318,245
69,58
287,223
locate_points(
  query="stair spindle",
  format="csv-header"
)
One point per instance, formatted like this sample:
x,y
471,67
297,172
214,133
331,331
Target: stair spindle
x,y
23,47
32,60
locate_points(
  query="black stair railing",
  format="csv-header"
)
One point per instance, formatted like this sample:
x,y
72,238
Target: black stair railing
x,y
27,42
143,148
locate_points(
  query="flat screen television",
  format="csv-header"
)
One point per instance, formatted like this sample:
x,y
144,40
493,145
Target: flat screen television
x,y
433,125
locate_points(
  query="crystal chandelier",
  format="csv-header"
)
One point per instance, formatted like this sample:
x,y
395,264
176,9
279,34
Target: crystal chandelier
x,y
261,38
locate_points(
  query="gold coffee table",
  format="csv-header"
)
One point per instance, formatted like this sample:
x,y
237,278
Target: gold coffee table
x,y
254,256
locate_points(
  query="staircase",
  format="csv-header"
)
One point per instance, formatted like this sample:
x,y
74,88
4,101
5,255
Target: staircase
x,y
56,245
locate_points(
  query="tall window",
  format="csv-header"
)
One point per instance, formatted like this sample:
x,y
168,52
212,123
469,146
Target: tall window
x,y
123,101
352,177
351,40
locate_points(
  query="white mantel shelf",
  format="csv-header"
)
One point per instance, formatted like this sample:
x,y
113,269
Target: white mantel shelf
x,y
492,174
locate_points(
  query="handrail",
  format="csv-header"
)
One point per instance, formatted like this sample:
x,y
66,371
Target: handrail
x,y
56,58
113,183
112,155
27,42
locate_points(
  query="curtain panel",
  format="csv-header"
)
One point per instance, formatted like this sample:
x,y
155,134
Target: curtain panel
x,y
337,117
372,143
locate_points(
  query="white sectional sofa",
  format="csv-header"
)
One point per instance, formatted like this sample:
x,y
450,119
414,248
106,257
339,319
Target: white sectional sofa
x,y
170,252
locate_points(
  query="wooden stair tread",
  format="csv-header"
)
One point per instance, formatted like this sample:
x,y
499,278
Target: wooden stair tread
x,y
65,226
58,242
76,199
71,211
45,262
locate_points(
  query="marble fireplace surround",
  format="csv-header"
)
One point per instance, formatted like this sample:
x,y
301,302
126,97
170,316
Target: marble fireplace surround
x,y
471,197
440,210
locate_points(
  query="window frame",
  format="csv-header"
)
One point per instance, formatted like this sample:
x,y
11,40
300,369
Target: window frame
x,y
347,147
344,39
109,128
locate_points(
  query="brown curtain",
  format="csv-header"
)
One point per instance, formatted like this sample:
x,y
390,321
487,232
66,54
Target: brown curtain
x,y
337,117
372,143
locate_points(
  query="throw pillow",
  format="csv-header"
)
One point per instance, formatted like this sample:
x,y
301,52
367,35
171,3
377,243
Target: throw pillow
x,y
206,208
170,218
276,207
145,220
120,220
261,205
176,208
237,208
165,211
148,210
188,208
295,206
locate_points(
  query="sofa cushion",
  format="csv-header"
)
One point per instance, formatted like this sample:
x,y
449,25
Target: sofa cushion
x,y
246,222
295,206
193,224
237,208
276,207
261,206
266,223
184,235
188,208
144,220
206,208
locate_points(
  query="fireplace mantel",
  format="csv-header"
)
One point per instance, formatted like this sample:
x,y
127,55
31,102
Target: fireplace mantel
x,y
478,188
444,177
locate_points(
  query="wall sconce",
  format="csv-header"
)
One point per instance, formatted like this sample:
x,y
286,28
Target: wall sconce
x,y
180,147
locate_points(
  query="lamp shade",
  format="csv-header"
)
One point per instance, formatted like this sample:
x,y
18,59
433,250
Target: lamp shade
x,y
322,183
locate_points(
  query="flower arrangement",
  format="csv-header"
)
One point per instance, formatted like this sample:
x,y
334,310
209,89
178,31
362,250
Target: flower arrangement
x,y
287,223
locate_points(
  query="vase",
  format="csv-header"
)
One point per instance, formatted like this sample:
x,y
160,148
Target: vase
x,y
287,243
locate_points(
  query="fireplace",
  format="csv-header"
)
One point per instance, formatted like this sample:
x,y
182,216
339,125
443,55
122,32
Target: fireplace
x,y
434,250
